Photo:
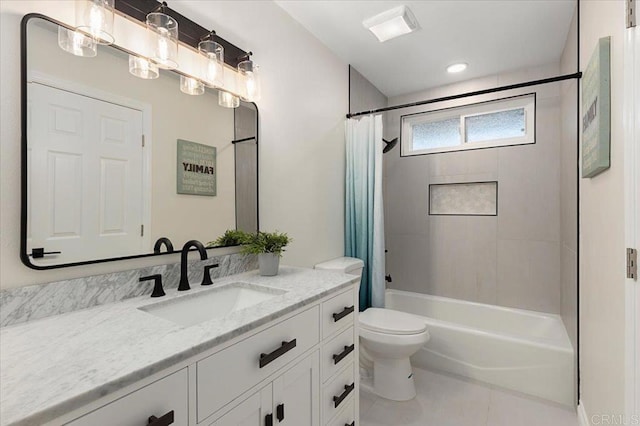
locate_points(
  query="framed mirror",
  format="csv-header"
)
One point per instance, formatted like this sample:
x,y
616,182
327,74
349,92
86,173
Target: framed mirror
x,y
113,162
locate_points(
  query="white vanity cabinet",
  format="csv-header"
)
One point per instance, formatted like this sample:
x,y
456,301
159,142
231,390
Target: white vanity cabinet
x,y
319,390
287,401
298,370
232,371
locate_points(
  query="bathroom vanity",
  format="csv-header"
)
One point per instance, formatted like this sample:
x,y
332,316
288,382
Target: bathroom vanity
x,y
269,351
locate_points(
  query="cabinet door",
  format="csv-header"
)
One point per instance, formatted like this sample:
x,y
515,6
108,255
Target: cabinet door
x,y
252,411
296,394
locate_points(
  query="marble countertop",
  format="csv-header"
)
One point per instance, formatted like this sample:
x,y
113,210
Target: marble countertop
x,y
52,366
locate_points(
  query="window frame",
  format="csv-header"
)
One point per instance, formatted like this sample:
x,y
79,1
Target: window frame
x,y
526,101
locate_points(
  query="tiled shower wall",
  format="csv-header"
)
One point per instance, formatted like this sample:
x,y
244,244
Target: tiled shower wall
x,y
512,259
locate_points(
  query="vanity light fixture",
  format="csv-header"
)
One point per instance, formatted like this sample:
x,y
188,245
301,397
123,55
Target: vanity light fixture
x,y
95,18
213,60
77,43
95,23
163,38
143,68
392,23
227,100
455,68
250,74
191,86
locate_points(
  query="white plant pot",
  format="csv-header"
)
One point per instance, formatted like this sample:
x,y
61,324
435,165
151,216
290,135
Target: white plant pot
x,y
269,263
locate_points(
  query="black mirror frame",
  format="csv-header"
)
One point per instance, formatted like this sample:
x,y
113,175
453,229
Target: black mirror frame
x,y
24,256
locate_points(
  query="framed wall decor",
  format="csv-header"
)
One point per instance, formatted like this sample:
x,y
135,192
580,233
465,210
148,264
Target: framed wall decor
x,y
596,111
196,169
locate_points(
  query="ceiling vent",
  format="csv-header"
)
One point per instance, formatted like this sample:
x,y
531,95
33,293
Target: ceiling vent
x,y
392,23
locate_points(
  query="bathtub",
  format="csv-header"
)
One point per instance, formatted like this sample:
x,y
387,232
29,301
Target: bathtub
x,y
521,350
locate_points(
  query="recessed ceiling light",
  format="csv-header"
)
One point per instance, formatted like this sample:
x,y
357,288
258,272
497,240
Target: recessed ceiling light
x,y
392,23
457,67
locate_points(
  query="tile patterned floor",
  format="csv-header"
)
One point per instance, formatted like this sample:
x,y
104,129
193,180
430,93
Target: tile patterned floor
x,y
448,401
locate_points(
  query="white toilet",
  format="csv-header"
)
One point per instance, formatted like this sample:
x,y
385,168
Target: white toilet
x,y
388,338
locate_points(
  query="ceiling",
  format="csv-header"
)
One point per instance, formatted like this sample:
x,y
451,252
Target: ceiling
x,y
490,35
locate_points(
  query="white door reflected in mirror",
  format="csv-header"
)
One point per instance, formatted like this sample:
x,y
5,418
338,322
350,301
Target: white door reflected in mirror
x,y
85,157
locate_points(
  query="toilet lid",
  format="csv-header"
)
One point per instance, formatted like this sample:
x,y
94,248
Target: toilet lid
x,y
391,322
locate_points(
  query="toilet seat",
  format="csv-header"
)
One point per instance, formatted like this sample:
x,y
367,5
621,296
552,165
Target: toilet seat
x,y
388,321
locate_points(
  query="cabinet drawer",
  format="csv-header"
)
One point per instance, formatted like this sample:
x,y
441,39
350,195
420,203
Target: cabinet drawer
x,y
226,374
347,417
157,399
337,312
337,393
337,353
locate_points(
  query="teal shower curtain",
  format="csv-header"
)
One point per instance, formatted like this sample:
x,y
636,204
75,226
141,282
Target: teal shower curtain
x,y
364,222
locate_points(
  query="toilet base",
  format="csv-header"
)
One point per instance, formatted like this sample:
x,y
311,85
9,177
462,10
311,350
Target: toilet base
x,y
393,379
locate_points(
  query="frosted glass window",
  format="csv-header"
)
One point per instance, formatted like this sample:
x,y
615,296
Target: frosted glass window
x,y
437,134
495,125
503,122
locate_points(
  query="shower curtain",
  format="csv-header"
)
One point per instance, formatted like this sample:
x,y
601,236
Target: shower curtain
x,y
364,222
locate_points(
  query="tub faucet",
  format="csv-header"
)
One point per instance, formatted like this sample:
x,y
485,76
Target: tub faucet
x,y
184,278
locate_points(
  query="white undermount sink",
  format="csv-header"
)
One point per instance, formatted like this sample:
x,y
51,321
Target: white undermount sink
x,y
215,303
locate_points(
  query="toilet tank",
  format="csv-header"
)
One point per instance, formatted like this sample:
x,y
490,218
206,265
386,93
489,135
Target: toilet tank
x,y
346,265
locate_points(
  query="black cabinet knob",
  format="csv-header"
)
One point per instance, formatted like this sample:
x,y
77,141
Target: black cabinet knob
x,y
346,311
337,400
165,420
347,350
283,349
280,412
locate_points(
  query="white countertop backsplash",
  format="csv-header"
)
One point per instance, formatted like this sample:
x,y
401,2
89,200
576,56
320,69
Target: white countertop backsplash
x,y
54,365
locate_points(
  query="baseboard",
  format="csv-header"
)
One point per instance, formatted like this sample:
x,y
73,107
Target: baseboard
x,y
583,419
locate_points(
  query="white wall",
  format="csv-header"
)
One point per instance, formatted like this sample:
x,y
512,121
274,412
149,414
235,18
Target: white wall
x,y
512,259
363,95
602,249
304,101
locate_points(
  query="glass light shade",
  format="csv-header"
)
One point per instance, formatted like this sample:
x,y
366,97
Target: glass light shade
x,y
95,17
163,40
191,86
213,63
77,43
227,100
143,68
251,81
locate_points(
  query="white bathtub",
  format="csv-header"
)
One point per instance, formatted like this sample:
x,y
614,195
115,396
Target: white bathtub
x,y
516,349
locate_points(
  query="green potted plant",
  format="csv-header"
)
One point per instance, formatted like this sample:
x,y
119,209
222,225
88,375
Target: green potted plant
x,y
269,247
231,237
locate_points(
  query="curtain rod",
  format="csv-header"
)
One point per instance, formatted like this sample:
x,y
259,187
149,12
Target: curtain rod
x,y
577,75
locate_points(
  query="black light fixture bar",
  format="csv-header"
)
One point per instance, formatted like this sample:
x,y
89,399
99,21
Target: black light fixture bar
x,y
190,33
577,75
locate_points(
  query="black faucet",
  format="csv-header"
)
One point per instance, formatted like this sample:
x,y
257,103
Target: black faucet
x,y
184,278
158,291
158,245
